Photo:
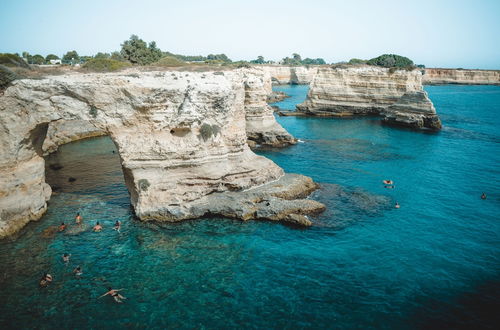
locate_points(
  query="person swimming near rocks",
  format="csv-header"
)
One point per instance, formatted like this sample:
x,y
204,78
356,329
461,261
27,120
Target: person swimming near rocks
x,y
397,205
117,226
97,227
114,293
62,227
78,219
483,196
78,271
65,257
45,280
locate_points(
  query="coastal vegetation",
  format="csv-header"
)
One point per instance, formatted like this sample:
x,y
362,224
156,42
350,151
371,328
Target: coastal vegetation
x,y
104,65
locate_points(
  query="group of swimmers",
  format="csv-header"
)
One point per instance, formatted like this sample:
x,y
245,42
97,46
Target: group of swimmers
x,y
78,271
97,228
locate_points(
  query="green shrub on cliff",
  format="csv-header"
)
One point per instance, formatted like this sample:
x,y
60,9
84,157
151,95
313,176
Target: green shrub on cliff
x,y
104,65
137,51
169,61
6,77
13,60
391,60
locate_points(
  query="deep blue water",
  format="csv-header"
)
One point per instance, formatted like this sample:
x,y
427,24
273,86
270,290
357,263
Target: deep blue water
x,y
433,263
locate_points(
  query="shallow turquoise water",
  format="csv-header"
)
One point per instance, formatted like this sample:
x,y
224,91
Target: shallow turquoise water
x,y
435,262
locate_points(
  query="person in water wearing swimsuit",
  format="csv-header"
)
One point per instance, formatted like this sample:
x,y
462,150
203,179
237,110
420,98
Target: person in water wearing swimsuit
x,y
114,293
483,196
397,205
45,280
97,227
78,219
62,227
78,271
65,257
117,226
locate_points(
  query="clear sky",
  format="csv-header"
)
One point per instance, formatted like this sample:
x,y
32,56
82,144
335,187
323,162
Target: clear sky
x,y
437,33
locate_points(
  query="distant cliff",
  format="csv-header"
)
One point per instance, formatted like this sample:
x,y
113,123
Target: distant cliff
x,y
295,75
396,95
461,76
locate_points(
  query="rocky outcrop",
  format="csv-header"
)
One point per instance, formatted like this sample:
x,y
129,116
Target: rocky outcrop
x,y
413,109
261,126
181,138
65,131
461,76
397,95
277,96
295,75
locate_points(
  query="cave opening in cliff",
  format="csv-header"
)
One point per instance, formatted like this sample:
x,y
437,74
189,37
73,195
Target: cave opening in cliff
x,y
85,167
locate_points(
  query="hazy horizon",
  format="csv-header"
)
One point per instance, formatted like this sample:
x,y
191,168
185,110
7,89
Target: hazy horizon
x,y
435,33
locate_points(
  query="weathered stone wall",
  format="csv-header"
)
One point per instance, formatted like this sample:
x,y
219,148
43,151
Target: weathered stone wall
x,y
461,76
284,75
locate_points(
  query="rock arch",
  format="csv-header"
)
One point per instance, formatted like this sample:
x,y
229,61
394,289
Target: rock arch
x,y
158,121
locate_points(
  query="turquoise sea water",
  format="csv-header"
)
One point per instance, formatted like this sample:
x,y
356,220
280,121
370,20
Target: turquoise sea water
x,y
433,263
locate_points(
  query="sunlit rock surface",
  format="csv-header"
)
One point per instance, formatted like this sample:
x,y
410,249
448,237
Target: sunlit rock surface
x,y
461,76
397,95
181,136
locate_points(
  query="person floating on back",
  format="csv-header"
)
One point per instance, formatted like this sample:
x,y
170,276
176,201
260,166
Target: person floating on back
x,y
387,182
78,271
114,293
97,227
483,196
78,219
65,257
62,227
117,226
45,280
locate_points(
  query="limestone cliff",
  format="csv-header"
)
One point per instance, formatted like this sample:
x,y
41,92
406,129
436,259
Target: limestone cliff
x,y
180,135
261,126
461,76
371,90
284,75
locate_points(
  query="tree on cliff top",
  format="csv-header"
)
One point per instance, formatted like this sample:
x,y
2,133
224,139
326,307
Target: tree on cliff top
x,y
137,51
391,61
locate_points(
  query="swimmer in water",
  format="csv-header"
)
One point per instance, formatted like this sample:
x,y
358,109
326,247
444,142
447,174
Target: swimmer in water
x,y
114,293
397,205
78,271
483,196
45,280
78,219
388,182
62,227
117,226
97,227
65,257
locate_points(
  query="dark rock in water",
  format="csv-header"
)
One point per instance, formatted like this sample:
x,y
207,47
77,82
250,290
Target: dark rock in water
x,y
55,189
55,167
71,179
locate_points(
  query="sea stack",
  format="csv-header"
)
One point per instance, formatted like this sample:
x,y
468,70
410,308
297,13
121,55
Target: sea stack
x,y
396,95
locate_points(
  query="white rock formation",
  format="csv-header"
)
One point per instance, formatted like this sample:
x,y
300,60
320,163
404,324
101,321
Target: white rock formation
x,y
180,135
434,76
261,126
369,90
284,75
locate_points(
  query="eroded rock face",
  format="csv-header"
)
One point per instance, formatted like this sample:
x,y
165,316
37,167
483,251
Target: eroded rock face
x,y
396,95
261,126
455,76
65,131
181,137
285,75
